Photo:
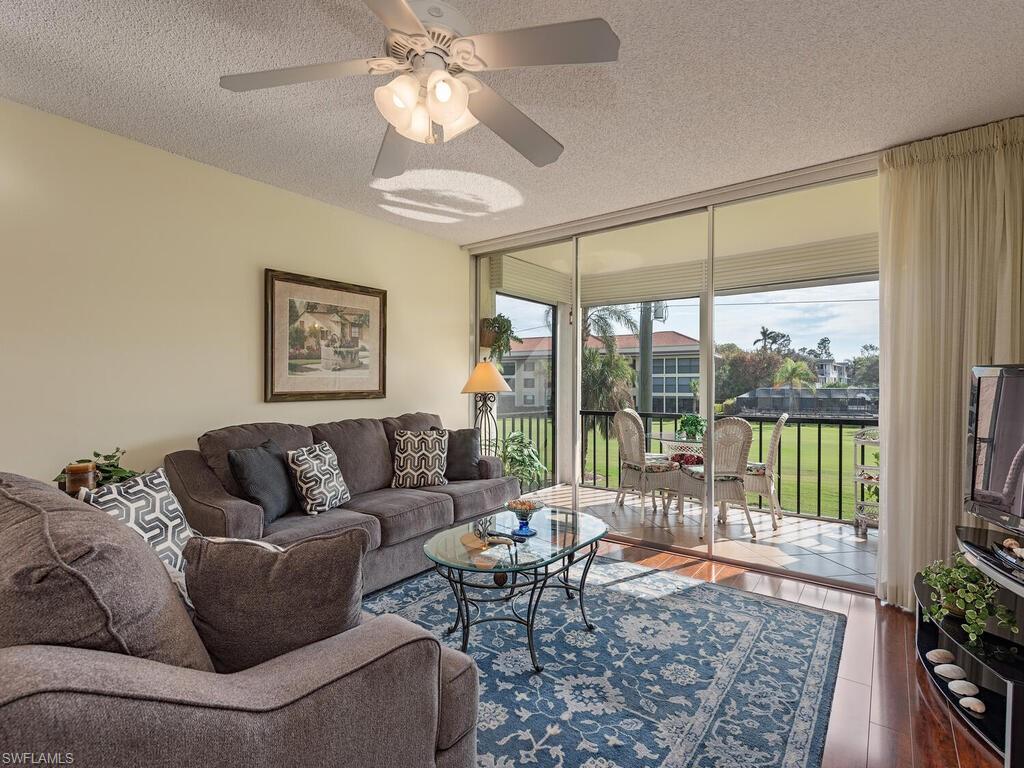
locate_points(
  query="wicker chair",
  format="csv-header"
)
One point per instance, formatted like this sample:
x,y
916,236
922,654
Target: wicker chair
x,y
760,477
641,471
733,437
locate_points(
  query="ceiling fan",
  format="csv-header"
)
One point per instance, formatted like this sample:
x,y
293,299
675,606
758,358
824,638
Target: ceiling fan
x,y
432,96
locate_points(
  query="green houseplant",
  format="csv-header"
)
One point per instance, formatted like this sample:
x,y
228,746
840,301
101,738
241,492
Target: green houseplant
x,y
961,590
499,332
108,467
520,458
691,426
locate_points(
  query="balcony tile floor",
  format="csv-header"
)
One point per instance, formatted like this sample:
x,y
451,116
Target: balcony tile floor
x,y
804,546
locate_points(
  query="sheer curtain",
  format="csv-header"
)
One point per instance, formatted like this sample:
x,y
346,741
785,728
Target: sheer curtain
x,y
952,283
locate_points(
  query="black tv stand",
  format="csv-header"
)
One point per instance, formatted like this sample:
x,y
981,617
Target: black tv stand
x,y
996,665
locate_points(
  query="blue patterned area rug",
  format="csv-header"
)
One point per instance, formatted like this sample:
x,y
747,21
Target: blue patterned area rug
x,y
678,673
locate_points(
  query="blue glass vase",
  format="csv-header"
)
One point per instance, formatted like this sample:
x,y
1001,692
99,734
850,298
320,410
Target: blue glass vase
x,y
524,524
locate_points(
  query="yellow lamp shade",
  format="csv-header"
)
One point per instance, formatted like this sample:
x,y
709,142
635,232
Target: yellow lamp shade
x,y
485,378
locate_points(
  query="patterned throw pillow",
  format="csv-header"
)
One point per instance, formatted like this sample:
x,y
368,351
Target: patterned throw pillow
x,y
317,478
147,505
420,458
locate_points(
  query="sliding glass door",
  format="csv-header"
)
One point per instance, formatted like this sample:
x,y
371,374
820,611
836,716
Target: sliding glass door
x,y
533,290
640,347
759,317
796,341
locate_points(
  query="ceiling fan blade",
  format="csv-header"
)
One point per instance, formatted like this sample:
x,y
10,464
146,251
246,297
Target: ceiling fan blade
x,y
272,78
393,155
515,128
397,16
569,42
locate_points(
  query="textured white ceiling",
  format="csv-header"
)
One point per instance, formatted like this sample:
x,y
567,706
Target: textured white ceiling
x,y
705,94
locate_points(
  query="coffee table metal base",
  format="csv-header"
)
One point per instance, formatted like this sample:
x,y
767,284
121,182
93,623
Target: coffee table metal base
x,y
471,593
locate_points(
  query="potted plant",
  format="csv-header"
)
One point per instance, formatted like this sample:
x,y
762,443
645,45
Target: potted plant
x,y
691,426
961,590
497,333
108,468
521,459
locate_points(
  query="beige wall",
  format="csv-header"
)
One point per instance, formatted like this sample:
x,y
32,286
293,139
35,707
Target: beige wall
x,y
131,297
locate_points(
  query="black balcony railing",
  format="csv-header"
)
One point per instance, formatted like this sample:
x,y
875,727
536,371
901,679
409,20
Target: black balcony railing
x,y
814,468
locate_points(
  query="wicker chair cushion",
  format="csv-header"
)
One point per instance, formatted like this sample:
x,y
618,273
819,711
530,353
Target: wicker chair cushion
x,y
697,472
655,466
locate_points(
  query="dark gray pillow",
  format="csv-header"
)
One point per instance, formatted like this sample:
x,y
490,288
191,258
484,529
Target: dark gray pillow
x,y
262,474
463,454
254,601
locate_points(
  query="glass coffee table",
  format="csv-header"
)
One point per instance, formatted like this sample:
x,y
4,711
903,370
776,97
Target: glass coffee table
x,y
482,571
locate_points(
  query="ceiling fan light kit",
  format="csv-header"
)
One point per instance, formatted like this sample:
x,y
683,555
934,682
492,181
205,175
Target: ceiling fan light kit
x,y
432,96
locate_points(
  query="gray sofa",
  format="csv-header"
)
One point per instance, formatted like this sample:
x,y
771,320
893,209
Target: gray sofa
x,y
100,661
398,520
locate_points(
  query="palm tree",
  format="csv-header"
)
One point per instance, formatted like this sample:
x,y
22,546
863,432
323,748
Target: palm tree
x,y
773,340
796,375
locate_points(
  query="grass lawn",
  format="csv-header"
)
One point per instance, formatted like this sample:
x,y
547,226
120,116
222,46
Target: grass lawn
x,y
598,468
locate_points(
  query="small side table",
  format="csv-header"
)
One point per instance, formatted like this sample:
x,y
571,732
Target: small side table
x,y
865,476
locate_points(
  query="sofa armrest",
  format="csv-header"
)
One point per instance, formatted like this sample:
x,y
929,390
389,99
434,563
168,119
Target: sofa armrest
x,y
367,697
491,467
209,508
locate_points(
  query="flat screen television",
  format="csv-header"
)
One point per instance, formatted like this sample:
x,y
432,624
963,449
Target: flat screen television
x,y
995,467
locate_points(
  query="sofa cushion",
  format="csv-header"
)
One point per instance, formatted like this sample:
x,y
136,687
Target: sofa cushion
x,y
413,422
361,446
317,478
255,601
264,478
420,458
72,575
298,526
474,497
404,512
463,454
214,445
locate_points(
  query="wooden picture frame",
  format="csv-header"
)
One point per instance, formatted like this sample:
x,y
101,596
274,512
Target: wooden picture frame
x,y
324,339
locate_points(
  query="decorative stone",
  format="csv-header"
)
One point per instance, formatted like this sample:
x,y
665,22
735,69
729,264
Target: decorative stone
x,y
950,672
1011,543
963,687
971,704
939,656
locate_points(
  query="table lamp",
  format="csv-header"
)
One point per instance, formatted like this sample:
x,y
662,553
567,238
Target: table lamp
x,y
483,383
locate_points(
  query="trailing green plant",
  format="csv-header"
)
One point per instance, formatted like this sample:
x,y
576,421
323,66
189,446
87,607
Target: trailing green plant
x,y
108,468
520,458
965,592
504,335
691,426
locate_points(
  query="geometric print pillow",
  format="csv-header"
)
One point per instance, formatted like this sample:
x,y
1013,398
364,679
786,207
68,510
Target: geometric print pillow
x,y
420,458
317,478
147,505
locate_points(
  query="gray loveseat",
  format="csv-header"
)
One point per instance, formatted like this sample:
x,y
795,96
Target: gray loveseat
x,y
100,664
398,520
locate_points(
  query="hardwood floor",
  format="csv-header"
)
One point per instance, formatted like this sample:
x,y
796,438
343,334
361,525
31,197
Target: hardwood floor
x,y
885,713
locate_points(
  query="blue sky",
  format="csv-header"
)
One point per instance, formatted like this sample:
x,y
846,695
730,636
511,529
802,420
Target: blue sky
x,y
847,314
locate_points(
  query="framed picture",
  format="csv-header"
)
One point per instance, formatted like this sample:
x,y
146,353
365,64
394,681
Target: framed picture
x,y
325,340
